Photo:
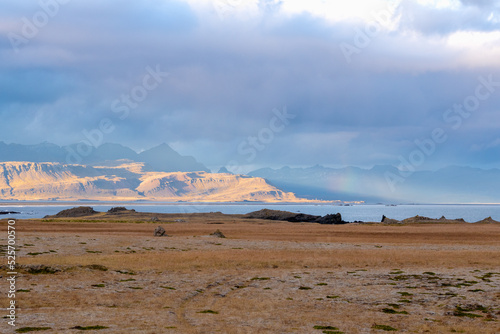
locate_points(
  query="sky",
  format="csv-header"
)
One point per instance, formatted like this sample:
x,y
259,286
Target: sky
x,y
258,83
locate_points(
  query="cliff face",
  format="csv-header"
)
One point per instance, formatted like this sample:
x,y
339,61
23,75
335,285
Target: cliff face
x,y
126,181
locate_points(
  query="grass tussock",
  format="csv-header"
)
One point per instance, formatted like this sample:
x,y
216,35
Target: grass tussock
x,y
89,328
31,329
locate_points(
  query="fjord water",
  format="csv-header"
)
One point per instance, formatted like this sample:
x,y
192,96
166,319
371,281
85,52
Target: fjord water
x,y
366,213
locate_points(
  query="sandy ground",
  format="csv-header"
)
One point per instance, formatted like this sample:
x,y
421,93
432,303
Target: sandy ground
x,y
265,277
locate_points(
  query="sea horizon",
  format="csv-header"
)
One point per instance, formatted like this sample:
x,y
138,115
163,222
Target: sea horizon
x,y
352,212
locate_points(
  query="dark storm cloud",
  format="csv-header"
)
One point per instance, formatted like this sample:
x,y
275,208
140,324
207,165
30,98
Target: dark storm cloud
x,y
225,77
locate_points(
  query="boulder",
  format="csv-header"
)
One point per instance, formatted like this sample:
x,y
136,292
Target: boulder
x,y
218,234
159,231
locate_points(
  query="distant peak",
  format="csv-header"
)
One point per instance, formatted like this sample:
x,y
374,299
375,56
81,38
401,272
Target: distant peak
x,y
162,146
224,170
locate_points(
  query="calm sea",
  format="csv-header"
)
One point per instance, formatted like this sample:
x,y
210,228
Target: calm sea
x,y
368,213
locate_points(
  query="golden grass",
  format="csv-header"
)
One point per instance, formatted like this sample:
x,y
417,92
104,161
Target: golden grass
x,y
238,228
354,262
289,259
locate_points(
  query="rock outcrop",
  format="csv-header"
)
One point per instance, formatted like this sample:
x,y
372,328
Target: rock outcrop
x,y
488,220
80,211
425,220
331,219
386,220
120,210
296,217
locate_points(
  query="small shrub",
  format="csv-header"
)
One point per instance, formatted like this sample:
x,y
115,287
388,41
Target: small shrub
x,y
384,327
209,312
96,267
326,327
31,329
396,272
466,314
404,293
396,306
392,311
41,269
89,328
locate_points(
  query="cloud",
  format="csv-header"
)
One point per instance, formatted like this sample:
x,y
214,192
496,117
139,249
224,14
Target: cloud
x,y
427,18
228,71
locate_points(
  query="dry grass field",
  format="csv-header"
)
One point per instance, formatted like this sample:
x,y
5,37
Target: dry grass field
x,y
105,274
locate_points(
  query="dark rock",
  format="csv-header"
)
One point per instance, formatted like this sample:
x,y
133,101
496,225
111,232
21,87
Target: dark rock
x,y
331,219
120,209
303,218
281,215
296,217
159,231
9,213
80,211
271,214
218,234
386,220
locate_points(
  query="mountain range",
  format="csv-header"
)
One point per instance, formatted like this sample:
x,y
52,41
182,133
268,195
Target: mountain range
x,y
387,184
125,180
160,158
116,172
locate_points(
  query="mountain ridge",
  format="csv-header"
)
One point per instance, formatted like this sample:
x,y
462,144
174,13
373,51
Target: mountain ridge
x,y
130,181
161,157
